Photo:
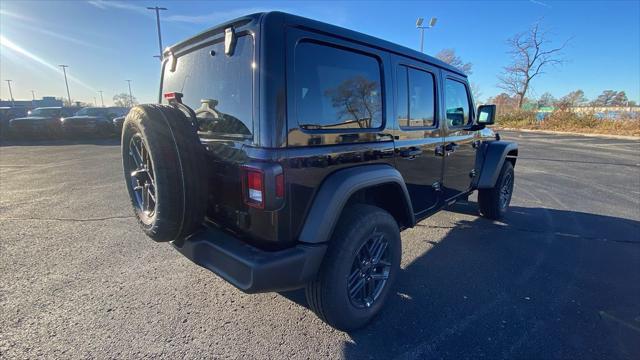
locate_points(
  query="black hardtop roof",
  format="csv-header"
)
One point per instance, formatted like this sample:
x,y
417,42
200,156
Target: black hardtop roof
x,y
314,25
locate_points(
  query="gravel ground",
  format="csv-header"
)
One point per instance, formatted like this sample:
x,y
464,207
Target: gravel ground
x,y
559,278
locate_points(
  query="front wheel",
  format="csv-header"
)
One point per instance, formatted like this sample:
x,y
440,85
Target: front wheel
x,y
494,202
359,269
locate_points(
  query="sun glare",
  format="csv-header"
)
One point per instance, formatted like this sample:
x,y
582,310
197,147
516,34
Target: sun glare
x,y
10,45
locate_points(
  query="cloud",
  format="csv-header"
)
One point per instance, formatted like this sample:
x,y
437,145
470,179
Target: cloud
x,y
538,2
214,17
51,33
15,16
106,5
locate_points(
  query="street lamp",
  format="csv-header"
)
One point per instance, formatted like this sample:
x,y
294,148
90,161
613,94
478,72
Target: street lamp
x,y
64,71
157,10
419,22
101,98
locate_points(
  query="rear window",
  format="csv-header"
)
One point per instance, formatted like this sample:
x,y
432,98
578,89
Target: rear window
x,y
219,88
336,89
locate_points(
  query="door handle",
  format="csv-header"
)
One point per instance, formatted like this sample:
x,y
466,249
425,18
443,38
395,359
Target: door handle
x,y
451,147
446,150
410,153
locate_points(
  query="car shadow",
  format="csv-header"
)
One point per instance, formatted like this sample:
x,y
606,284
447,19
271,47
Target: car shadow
x,y
101,141
542,283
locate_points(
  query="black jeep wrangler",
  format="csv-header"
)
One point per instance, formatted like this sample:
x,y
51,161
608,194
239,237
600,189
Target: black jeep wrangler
x,y
289,153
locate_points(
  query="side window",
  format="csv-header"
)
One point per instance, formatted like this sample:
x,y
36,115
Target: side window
x,y
457,100
336,88
402,110
416,98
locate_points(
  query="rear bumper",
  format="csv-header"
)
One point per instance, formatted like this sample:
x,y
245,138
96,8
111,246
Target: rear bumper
x,y
248,268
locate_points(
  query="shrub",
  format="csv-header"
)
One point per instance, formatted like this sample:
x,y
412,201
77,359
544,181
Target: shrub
x,y
564,120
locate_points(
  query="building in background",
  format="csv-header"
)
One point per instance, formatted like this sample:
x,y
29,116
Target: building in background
x,y
46,101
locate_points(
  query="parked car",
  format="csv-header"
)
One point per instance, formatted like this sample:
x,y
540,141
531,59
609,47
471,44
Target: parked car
x,y
288,153
6,115
95,121
118,121
117,124
40,122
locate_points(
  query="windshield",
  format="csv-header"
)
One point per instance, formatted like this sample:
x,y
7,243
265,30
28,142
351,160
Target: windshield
x,y
45,112
92,112
219,88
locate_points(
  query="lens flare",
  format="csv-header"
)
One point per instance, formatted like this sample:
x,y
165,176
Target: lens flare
x,y
10,45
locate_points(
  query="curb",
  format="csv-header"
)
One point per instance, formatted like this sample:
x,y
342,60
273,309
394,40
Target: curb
x,y
619,137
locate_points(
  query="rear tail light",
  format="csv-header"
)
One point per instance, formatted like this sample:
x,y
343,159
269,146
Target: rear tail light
x,y
173,97
263,186
254,187
280,185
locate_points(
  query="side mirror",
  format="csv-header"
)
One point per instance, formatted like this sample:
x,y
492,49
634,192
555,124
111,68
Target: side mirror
x,y
486,114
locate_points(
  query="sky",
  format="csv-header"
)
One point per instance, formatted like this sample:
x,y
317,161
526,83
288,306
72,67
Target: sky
x,y
106,42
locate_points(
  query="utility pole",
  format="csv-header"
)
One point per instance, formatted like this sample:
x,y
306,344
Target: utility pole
x,y
101,98
95,102
419,22
10,93
33,98
130,94
157,10
64,71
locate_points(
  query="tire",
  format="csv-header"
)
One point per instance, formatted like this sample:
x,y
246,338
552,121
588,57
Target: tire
x,y
173,168
328,295
494,202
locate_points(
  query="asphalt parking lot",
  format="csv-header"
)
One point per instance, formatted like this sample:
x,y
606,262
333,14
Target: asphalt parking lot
x,y
559,278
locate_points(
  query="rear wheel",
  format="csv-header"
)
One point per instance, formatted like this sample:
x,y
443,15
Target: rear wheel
x,y
165,172
494,202
359,269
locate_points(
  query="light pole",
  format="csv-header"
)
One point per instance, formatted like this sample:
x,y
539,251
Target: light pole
x,y
95,102
64,71
101,98
130,94
33,98
10,93
157,10
419,22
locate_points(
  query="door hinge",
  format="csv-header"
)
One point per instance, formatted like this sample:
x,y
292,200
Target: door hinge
x,y
472,173
436,186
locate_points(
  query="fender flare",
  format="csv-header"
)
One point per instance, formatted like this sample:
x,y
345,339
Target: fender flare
x,y
336,190
495,153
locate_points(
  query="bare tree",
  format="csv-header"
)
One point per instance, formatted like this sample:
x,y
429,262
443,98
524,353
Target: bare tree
x,y
611,98
124,100
546,100
531,57
449,56
476,93
356,99
574,98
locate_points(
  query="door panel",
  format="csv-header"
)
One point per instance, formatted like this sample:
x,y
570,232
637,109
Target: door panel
x,y
459,144
418,134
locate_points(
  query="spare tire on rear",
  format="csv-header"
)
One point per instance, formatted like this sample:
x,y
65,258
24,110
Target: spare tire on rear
x,y
165,171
